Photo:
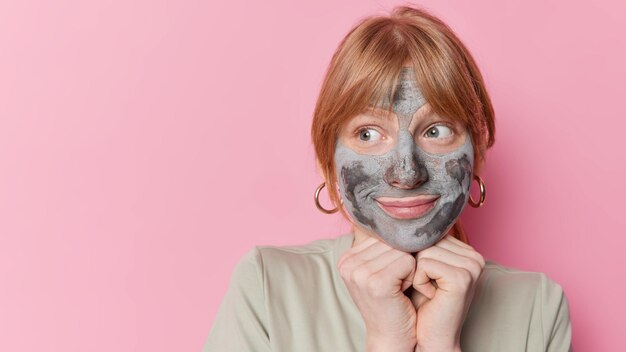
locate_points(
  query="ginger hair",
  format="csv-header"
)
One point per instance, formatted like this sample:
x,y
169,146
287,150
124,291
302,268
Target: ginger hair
x,y
366,65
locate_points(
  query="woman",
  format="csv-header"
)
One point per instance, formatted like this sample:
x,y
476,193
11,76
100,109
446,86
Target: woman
x,y
400,131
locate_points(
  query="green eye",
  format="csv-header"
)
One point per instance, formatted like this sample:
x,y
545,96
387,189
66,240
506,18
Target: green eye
x,y
368,135
439,131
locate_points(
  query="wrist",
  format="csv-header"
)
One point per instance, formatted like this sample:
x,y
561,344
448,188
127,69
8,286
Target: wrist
x,y
375,344
456,348
443,343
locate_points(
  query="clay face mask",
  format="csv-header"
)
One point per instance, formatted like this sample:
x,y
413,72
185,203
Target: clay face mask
x,y
408,196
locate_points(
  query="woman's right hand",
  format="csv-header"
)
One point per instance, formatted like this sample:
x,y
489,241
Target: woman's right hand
x,y
376,276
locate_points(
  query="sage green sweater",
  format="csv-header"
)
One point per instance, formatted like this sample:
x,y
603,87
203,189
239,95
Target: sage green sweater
x,y
292,299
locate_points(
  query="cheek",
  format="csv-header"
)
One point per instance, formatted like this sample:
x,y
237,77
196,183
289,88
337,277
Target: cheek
x,y
459,169
358,172
354,179
352,175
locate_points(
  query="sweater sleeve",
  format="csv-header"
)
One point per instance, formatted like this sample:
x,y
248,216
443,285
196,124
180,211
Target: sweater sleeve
x,y
556,323
241,320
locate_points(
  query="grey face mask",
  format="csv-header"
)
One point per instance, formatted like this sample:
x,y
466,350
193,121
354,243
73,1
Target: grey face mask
x,y
363,178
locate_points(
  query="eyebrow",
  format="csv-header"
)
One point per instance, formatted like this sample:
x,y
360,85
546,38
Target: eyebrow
x,y
427,110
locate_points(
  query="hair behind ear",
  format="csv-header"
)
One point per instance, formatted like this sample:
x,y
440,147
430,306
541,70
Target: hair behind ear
x,y
479,163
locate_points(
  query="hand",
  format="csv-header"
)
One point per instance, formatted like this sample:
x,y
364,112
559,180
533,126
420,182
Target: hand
x,y
442,304
376,276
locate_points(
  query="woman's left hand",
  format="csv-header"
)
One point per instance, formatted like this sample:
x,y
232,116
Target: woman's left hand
x,y
442,304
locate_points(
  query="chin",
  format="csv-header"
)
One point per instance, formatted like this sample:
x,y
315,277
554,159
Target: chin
x,y
410,242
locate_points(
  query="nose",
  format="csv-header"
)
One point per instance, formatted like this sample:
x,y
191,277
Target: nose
x,y
407,170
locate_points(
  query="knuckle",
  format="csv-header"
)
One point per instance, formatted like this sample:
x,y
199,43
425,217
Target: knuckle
x,y
360,276
478,265
476,269
344,266
344,273
423,262
480,259
464,277
408,260
376,287
422,254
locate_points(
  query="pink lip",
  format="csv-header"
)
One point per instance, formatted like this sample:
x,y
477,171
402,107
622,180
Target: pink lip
x,y
407,207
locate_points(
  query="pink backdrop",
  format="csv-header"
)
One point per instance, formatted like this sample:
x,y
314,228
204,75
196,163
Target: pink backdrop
x,y
146,145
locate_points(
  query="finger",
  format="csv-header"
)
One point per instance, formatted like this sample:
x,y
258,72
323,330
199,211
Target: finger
x,y
363,245
386,259
364,255
406,283
457,246
452,245
449,278
457,241
422,284
374,251
383,275
418,299
451,258
356,250
395,274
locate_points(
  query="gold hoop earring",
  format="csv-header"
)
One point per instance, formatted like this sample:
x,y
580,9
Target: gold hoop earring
x,y
317,201
481,201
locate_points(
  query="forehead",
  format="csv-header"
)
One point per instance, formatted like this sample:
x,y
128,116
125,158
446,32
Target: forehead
x,y
407,98
403,97
379,112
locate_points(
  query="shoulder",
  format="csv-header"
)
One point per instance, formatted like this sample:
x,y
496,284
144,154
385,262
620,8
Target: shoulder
x,y
296,254
524,306
284,262
501,284
498,274
513,282
260,257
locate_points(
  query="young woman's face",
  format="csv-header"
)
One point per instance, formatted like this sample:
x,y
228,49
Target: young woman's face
x,y
406,175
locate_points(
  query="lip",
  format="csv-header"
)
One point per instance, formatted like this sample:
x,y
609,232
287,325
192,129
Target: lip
x,y
407,207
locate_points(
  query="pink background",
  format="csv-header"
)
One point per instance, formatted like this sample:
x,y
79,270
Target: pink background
x,y
146,145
